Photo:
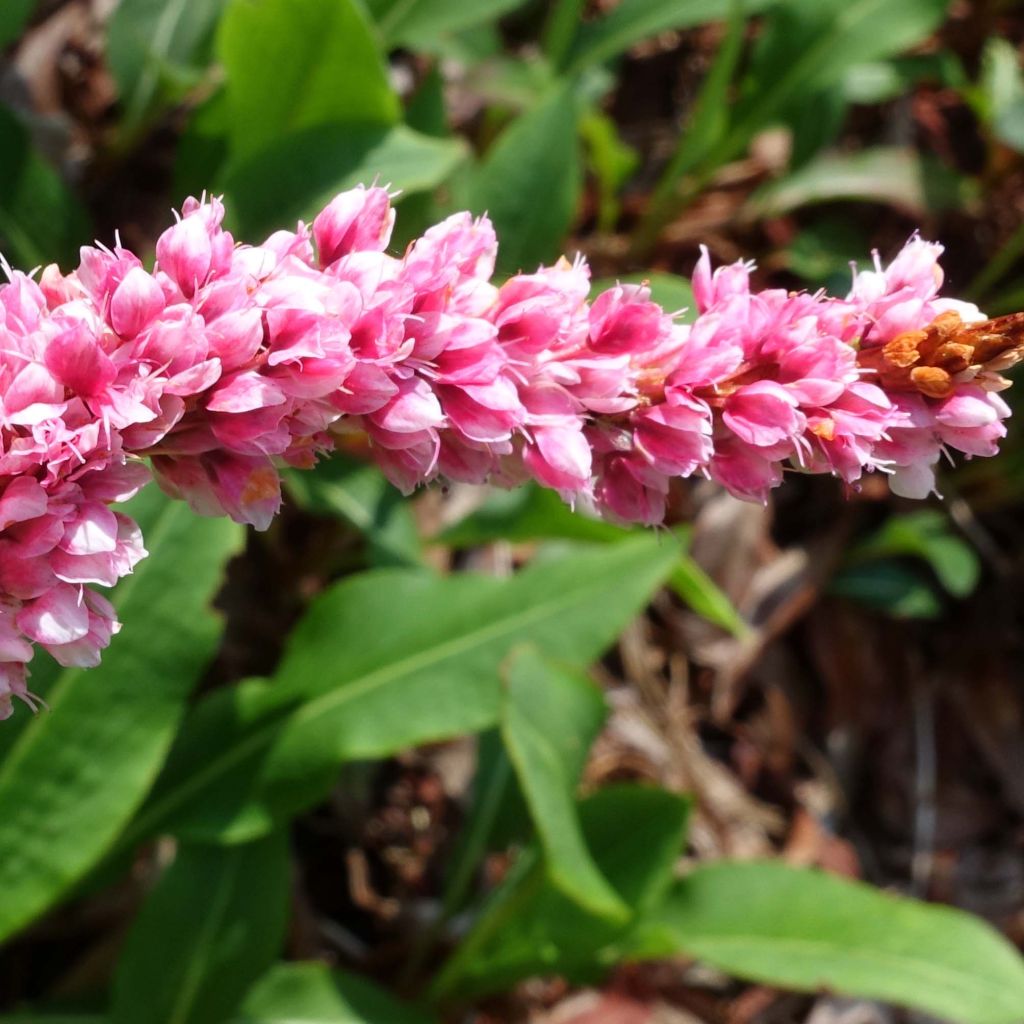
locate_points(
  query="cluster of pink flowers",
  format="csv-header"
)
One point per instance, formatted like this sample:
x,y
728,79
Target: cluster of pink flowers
x,y
227,362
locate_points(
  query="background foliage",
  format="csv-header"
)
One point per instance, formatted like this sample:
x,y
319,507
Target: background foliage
x,y
474,757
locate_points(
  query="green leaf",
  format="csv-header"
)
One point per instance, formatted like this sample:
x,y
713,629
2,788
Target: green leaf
x,y
79,771
295,176
213,924
358,493
311,993
529,183
807,930
51,1018
810,45
888,586
633,20
417,24
529,927
1002,92
381,662
14,15
294,64
896,175
925,535
40,220
612,162
701,594
152,43
528,513
549,719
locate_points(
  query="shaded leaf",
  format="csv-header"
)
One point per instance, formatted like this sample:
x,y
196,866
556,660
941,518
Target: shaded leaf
x,y
213,924
888,586
41,221
527,513
529,927
925,535
381,662
359,494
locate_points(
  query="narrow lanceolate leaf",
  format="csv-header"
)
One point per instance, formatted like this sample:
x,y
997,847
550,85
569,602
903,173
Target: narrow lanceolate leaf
x,y
809,45
897,175
213,924
635,835
79,771
536,156
292,64
632,20
311,993
420,23
549,719
807,930
384,661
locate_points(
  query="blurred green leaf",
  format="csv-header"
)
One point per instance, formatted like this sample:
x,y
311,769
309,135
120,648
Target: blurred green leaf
x,y
311,993
381,662
806,930
425,111
360,494
202,150
78,772
419,23
635,835
155,44
705,130
633,20
549,719
295,64
810,45
1002,92
888,586
40,220
896,175
528,513
529,183
612,162
295,176
693,586
14,15
213,924
926,535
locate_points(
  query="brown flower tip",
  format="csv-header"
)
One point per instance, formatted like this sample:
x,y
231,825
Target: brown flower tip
x,y
948,352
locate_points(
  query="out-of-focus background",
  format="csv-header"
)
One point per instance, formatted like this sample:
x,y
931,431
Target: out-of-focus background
x,y
834,679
